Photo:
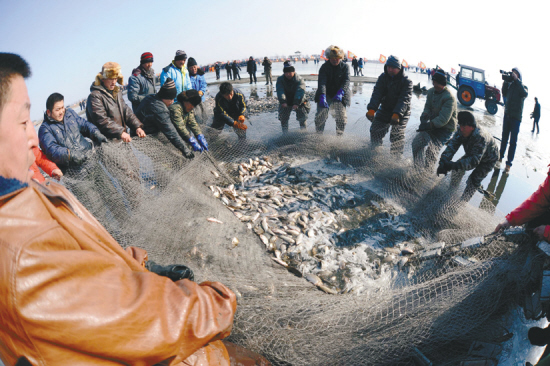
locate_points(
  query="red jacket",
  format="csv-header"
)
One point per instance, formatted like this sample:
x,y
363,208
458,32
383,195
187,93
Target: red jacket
x,y
43,162
534,206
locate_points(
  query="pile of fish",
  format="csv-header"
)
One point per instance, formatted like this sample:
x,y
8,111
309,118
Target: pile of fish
x,y
319,226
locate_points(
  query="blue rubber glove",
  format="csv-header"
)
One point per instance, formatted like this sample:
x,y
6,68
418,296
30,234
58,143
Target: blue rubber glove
x,y
323,101
203,142
339,95
194,144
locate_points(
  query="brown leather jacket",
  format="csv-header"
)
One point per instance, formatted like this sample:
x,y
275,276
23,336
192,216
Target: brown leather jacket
x,y
70,295
111,115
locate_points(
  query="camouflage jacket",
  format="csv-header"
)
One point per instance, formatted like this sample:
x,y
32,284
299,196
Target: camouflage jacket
x,y
479,147
184,121
440,110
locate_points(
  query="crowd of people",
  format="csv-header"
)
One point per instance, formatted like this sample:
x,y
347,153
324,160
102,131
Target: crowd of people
x,y
52,247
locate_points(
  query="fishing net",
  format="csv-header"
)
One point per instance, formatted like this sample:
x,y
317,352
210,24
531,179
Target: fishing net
x,y
339,254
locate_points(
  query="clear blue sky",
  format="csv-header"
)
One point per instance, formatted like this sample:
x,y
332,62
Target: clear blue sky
x,y
66,42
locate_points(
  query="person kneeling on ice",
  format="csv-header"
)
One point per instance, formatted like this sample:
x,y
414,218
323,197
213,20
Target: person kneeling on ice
x,y
333,91
154,113
437,123
230,109
291,92
481,154
390,106
70,293
182,116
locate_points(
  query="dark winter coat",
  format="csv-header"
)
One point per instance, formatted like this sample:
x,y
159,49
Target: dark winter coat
x,y
515,93
109,112
479,147
267,65
291,91
331,79
536,111
354,63
392,94
229,111
251,67
235,67
58,139
156,118
140,85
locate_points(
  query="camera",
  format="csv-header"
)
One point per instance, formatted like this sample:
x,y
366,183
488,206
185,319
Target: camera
x,y
507,75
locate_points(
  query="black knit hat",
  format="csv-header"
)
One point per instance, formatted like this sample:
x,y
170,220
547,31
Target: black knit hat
x,y
466,118
192,96
394,61
168,90
440,77
288,67
191,62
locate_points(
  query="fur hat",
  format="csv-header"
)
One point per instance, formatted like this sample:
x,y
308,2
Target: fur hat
x,y
192,96
168,90
288,67
440,77
334,52
466,118
110,70
394,61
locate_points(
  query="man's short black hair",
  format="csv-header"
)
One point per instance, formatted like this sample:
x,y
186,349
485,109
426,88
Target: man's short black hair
x,y
226,88
10,66
466,118
52,99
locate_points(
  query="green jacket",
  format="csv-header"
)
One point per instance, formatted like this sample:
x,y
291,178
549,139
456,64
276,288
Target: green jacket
x,y
184,121
440,110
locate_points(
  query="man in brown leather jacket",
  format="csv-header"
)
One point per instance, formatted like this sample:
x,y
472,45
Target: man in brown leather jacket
x,y
69,294
107,110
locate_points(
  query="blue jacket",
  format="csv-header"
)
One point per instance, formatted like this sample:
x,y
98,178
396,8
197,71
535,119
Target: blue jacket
x,y
58,139
140,85
180,77
198,82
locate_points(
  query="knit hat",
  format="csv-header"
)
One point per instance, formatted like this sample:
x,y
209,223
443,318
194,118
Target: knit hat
x,y
192,96
180,55
334,52
110,70
440,77
394,61
168,90
146,57
288,67
191,62
466,118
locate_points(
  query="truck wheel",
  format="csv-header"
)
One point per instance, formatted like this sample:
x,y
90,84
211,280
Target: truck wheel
x,y
466,95
491,106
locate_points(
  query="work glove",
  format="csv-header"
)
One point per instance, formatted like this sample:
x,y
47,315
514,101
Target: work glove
x,y
323,101
175,272
241,119
425,126
370,114
395,119
100,138
442,168
240,125
187,153
339,95
203,142
194,144
76,157
453,165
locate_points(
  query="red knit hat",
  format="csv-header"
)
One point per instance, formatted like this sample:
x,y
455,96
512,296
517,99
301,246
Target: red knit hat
x,y
146,57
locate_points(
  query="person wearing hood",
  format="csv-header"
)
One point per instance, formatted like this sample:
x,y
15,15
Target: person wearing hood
x,y
182,116
333,90
154,113
142,81
390,106
480,154
107,109
198,83
63,133
251,69
514,93
267,71
437,122
177,71
291,92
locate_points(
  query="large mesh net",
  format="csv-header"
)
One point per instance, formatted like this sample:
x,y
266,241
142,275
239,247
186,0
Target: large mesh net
x,y
340,254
